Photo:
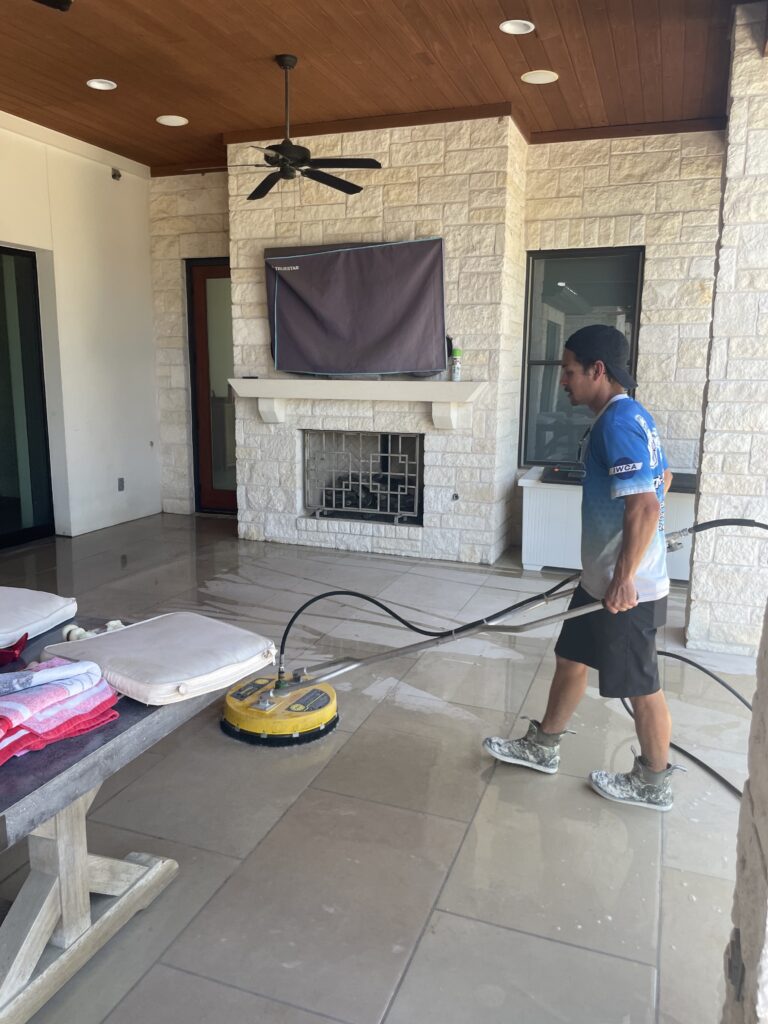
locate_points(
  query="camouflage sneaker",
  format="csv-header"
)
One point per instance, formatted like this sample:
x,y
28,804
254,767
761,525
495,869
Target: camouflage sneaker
x,y
537,749
641,787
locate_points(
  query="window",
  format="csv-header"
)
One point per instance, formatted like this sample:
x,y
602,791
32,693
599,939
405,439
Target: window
x,y
569,289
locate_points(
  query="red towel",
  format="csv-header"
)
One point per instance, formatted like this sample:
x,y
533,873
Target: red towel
x,y
21,740
13,653
32,719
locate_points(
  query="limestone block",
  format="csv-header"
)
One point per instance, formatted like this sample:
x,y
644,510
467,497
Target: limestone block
x,y
213,199
735,313
667,294
747,209
488,133
578,154
403,194
167,273
480,288
465,161
427,151
162,204
619,199
168,300
691,194
667,268
457,135
629,145
253,223
703,166
542,184
736,161
644,167
711,143
553,209
470,240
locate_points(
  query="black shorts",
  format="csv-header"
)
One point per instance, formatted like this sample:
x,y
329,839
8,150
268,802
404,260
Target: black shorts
x,y
621,647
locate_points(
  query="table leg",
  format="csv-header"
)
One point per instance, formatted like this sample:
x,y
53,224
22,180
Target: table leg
x,y
53,908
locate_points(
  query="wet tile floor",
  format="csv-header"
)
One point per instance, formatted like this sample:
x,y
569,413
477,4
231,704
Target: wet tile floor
x,y
391,872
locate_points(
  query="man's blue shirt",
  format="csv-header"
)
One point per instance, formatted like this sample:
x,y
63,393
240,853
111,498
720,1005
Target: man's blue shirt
x,y
622,455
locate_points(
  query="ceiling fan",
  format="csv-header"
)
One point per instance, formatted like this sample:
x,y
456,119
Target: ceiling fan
x,y
292,160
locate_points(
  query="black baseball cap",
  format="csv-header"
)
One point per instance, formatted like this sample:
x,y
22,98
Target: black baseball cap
x,y
608,344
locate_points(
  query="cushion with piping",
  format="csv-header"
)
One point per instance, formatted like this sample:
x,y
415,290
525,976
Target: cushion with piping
x,y
32,612
172,657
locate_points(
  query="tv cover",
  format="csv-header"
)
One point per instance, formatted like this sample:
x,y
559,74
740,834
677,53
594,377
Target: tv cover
x,y
357,309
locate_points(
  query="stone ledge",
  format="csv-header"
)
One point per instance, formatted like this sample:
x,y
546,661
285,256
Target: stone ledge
x,y
445,397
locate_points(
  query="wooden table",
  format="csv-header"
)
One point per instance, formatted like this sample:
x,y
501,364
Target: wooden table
x,y
51,930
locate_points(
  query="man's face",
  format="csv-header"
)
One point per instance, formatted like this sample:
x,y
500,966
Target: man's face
x,y
579,384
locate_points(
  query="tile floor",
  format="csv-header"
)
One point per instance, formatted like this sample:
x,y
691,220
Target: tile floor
x,y
391,872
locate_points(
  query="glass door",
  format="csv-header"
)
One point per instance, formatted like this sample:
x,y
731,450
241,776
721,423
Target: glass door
x,y
26,505
212,365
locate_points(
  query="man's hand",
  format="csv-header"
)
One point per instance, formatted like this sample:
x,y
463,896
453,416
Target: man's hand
x,y
621,595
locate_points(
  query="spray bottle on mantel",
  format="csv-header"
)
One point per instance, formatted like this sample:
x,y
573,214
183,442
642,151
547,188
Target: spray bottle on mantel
x,y
455,364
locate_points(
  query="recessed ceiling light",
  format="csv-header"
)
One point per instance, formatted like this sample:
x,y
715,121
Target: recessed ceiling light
x,y
540,77
517,27
172,120
102,84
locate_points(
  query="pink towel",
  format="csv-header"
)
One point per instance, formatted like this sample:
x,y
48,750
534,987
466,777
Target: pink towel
x,y
21,741
56,710
17,708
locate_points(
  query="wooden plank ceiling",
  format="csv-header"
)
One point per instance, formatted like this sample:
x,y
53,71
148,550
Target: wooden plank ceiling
x,y
625,66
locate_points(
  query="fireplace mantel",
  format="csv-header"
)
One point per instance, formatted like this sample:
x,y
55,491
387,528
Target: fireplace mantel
x,y
444,396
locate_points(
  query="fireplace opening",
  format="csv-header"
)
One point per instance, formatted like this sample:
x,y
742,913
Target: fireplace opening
x,y
365,475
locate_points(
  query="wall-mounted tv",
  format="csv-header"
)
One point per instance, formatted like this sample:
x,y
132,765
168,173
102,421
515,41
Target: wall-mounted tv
x,y
357,309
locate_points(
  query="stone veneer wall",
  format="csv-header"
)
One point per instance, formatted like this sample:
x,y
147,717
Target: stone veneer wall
x,y
188,219
730,566
663,192
750,898
465,182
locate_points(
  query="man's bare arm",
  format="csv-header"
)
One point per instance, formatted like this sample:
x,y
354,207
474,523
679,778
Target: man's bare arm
x,y
667,480
641,521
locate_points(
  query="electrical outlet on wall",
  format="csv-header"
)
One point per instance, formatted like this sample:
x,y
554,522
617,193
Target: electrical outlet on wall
x,y
121,483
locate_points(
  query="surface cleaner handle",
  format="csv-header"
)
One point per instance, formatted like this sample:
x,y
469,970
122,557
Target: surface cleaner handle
x,y
569,613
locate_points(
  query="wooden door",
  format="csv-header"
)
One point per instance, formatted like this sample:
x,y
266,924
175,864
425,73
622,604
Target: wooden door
x,y
210,330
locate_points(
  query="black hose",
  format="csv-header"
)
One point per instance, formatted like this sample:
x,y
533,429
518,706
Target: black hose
x,y
712,523
696,528
706,671
696,760
437,634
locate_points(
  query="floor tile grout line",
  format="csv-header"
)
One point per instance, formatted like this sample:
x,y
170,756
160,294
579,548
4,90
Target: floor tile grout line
x,y
250,992
660,929
214,894
430,913
547,938
392,807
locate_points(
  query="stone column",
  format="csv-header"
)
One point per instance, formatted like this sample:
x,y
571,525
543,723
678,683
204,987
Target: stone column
x,y
746,959
729,580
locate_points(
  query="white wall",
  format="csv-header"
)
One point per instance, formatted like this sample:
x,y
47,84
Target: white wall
x,y
92,238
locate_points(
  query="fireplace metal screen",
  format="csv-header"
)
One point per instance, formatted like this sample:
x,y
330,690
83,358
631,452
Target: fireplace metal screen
x,y
362,475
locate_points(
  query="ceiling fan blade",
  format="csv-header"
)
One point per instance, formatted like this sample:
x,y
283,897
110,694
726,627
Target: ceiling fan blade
x,y
343,161
265,185
266,149
330,179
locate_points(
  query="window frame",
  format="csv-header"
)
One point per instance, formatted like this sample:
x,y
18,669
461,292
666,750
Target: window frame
x,y
532,256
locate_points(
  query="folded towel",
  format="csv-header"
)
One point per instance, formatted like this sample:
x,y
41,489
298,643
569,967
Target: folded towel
x,y
55,721
75,678
21,741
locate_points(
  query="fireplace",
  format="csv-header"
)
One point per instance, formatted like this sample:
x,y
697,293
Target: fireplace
x,y
364,475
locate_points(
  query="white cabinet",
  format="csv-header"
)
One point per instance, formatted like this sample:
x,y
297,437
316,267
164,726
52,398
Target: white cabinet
x,y
552,525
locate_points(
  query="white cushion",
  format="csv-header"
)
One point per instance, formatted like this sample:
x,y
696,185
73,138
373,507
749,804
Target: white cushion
x,y
32,612
172,657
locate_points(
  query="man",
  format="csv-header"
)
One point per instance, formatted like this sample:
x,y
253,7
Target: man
x,y
624,564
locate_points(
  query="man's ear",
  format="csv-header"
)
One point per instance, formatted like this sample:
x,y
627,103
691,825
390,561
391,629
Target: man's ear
x,y
599,367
